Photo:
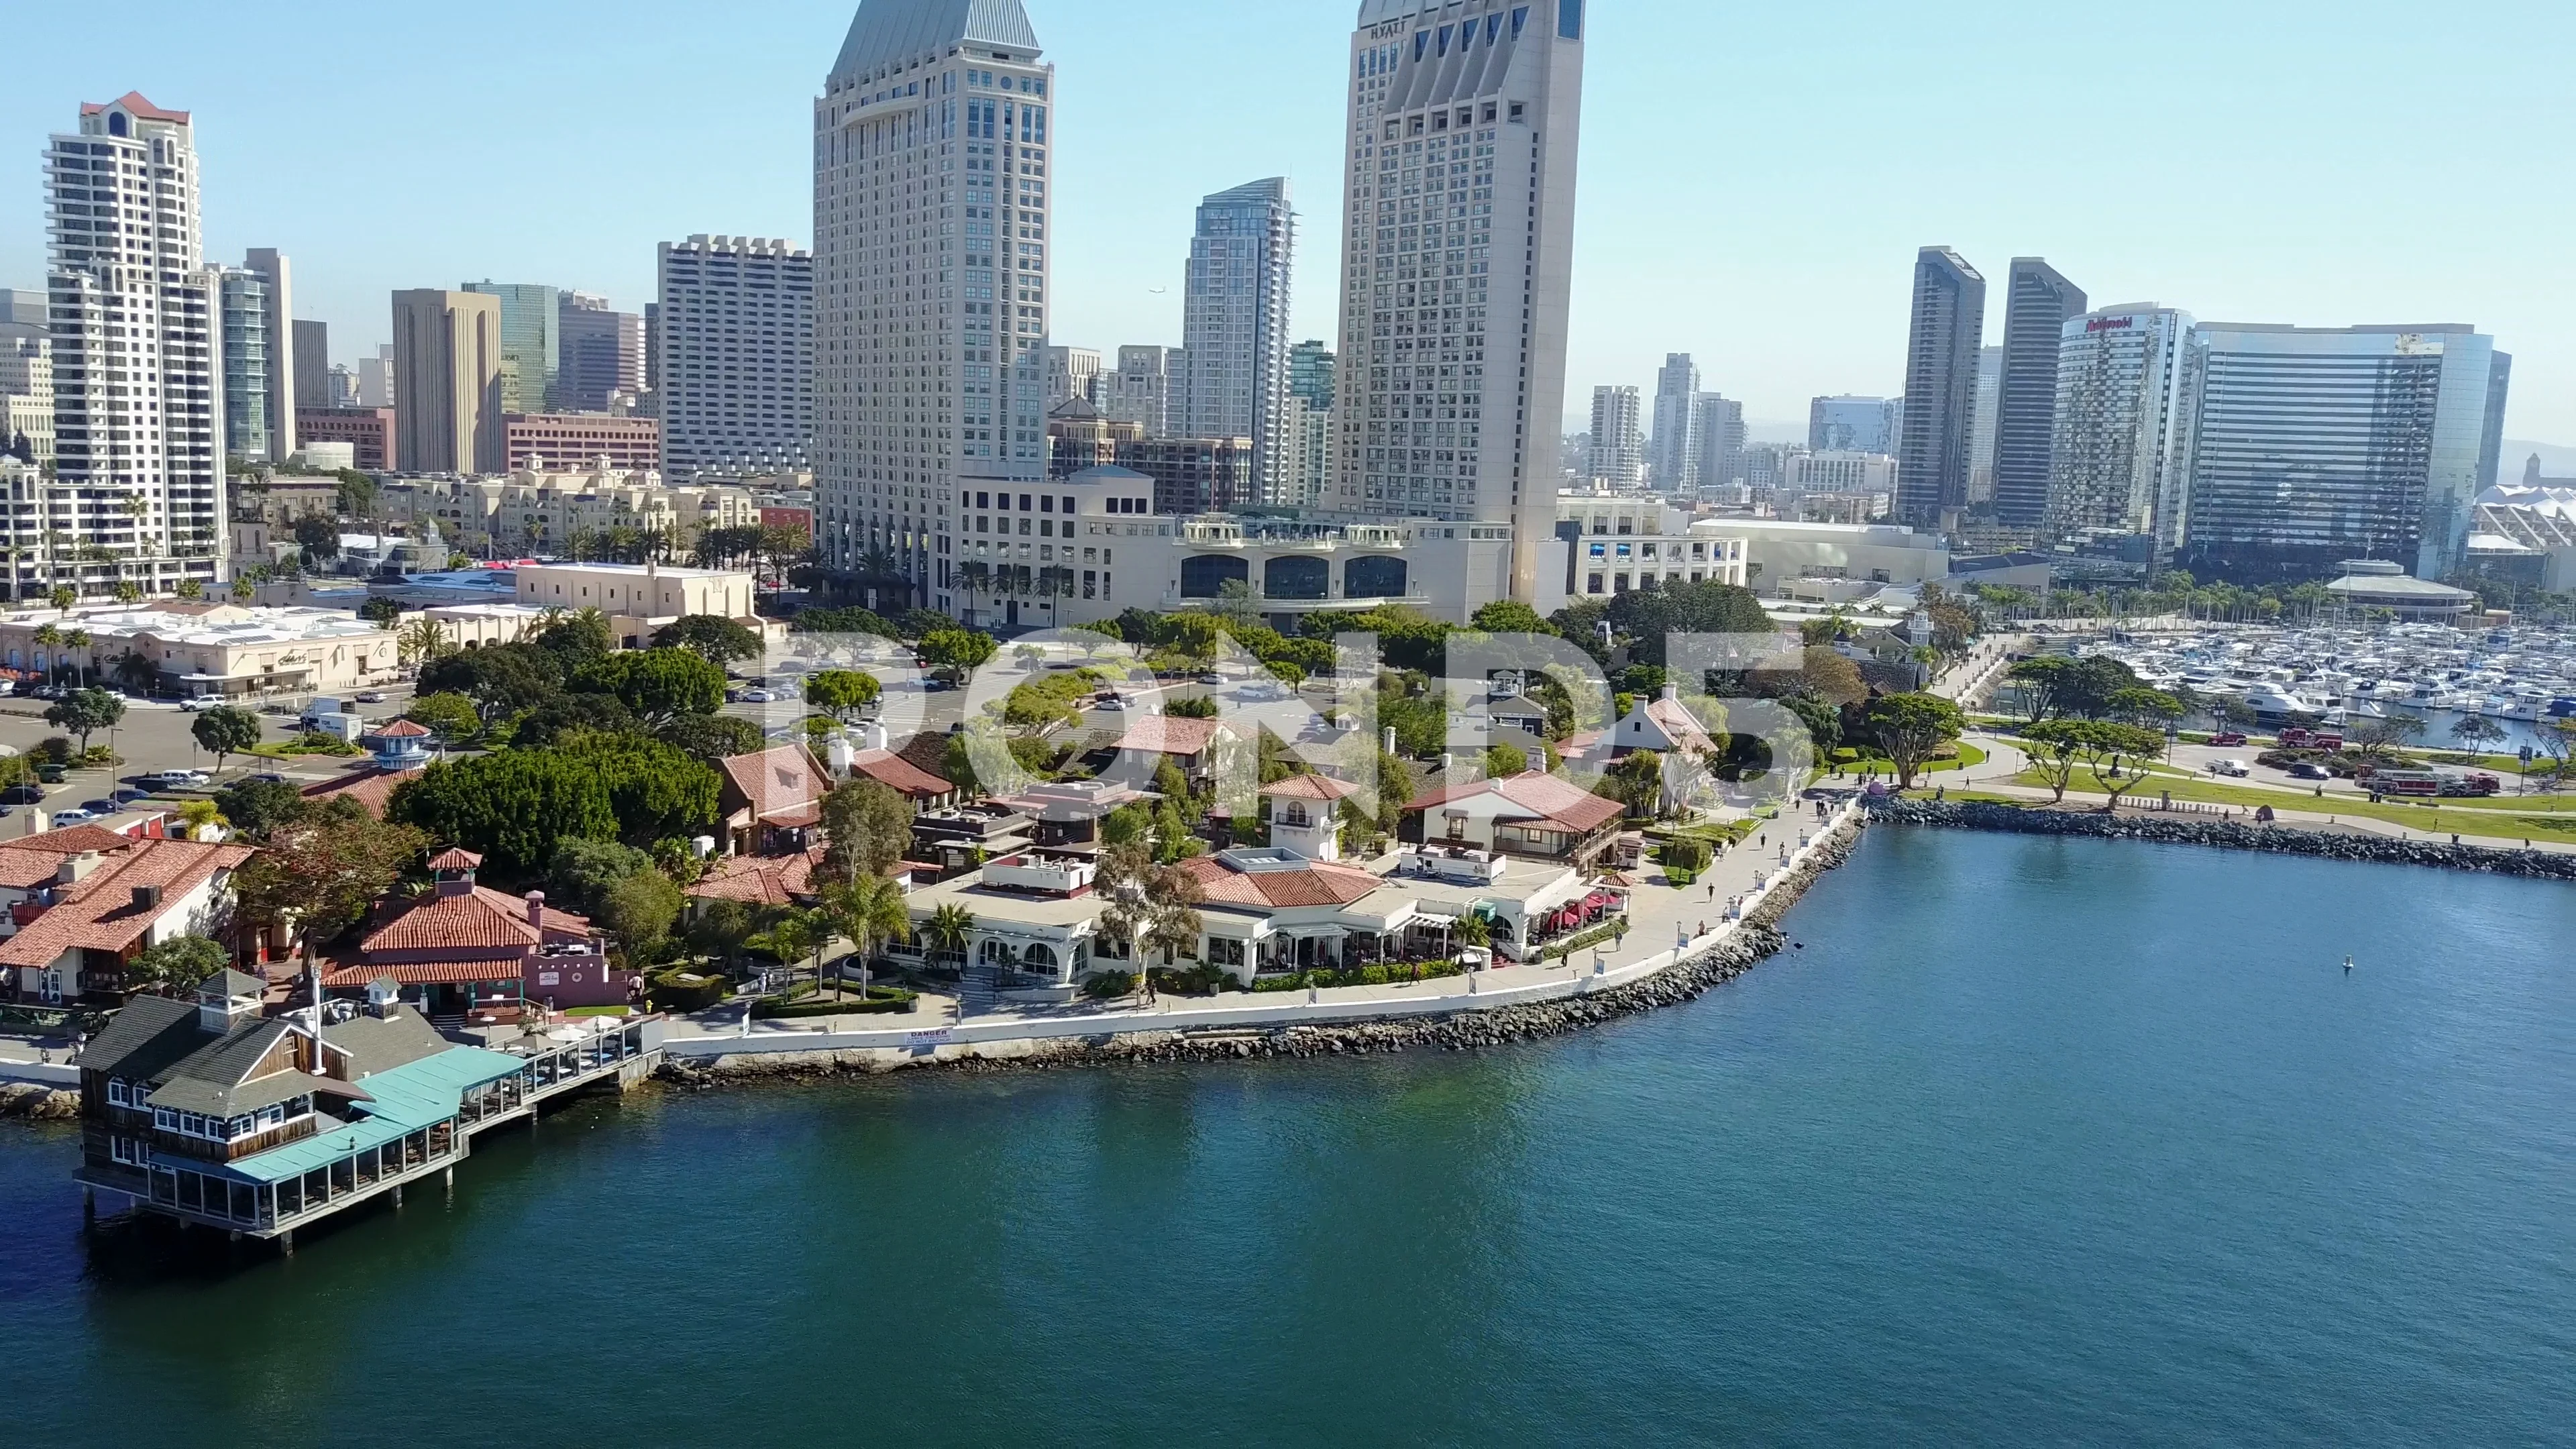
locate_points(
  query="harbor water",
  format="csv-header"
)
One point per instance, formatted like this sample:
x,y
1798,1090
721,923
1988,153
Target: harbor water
x,y
2033,1140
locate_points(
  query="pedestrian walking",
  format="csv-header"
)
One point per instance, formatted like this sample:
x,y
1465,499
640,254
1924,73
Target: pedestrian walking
x,y
1712,890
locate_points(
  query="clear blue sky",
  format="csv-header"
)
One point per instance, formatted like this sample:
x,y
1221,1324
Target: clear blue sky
x,y
1756,177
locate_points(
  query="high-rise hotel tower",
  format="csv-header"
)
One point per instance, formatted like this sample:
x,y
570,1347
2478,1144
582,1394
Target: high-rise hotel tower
x,y
138,416
932,148
1465,121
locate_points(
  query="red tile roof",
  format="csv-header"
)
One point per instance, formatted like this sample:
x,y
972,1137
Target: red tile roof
x,y
1311,787
436,973
370,788
133,101
775,780
1683,727
760,880
900,775
479,920
401,729
1551,800
99,913
1163,735
456,859
1318,884
32,860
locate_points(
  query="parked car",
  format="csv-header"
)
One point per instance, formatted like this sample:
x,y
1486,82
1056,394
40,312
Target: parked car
x,y
62,818
2310,770
101,807
270,777
195,704
22,795
132,797
936,686
758,696
2228,740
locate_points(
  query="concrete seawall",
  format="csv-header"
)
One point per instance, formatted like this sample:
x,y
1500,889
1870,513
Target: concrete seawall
x,y
1289,1025
2223,835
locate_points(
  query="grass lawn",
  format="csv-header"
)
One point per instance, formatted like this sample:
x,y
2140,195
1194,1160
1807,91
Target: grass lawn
x,y
297,749
1970,757
2486,818
597,1011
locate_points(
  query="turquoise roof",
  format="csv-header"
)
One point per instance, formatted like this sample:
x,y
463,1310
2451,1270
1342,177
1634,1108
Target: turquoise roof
x,y
408,1099
889,31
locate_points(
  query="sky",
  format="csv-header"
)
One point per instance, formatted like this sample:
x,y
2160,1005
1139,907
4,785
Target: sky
x,y
1755,178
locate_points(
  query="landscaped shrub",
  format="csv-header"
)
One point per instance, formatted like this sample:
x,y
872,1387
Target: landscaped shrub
x,y
793,1006
685,990
1109,985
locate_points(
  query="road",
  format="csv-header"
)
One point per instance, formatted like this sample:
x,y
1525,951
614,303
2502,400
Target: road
x,y
157,735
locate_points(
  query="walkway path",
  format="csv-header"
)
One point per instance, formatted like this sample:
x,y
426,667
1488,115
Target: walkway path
x,y
1662,919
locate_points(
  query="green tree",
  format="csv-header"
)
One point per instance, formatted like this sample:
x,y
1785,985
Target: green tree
x,y
502,681
258,807
583,872
655,792
1636,780
423,641
2115,755
1911,727
1148,906
451,716
950,929
225,731
1510,616
383,613
1504,761
957,651
1646,617
868,912
2056,747
513,808
639,911
710,737
844,694
176,966
2380,739
1195,707
2477,733
1688,853
2146,708
84,712
655,684
322,870
867,830
718,639
2040,681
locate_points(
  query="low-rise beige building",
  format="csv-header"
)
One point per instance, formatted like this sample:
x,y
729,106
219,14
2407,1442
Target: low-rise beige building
x,y
209,649
638,598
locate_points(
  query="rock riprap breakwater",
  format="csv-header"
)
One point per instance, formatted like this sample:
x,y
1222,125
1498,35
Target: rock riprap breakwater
x,y
2224,835
34,1102
1755,940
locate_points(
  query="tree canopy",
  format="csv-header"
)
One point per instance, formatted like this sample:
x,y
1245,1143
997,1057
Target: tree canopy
x,y
1911,727
655,684
718,639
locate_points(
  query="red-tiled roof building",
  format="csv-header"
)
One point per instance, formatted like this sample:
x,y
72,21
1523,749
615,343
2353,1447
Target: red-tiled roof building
x,y
82,902
1533,815
463,946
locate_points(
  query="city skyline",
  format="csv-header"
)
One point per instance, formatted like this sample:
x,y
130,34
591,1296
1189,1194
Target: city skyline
x,y
1775,314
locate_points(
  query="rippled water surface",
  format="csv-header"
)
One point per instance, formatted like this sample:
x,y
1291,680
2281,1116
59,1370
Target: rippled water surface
x,y
2036,1139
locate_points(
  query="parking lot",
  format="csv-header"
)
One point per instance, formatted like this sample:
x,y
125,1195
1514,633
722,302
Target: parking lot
x,y
157,736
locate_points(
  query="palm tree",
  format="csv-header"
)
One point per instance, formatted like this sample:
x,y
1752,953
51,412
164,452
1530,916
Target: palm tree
x,y
950,929
975,579
423,641
137,673
76,639
47,636
870,912
791,938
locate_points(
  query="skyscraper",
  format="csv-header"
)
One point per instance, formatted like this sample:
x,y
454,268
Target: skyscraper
x,y
531,343
932,197
278,282
2037,304
247,363
1718,436
1234,325
308,363
1618,447
2119,389
1940,389
1672,460
1981,435
602,354
1465,121
2308,446
1072,372
736,368
1852,424
447,382
137,413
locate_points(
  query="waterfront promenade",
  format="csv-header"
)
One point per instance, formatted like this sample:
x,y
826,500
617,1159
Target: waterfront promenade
x,y
1667,925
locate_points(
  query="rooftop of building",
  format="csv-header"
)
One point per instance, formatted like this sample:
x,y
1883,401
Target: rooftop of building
x,y
106,911
177,621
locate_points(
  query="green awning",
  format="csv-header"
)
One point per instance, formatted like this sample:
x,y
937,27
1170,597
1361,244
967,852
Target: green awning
x,y
410,1098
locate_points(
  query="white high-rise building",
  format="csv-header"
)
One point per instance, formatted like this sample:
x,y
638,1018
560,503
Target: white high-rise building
x,y
1618,445
1072,372
2119,394
138,414
1234,327
737,365
932,151
1673,459
1465,121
